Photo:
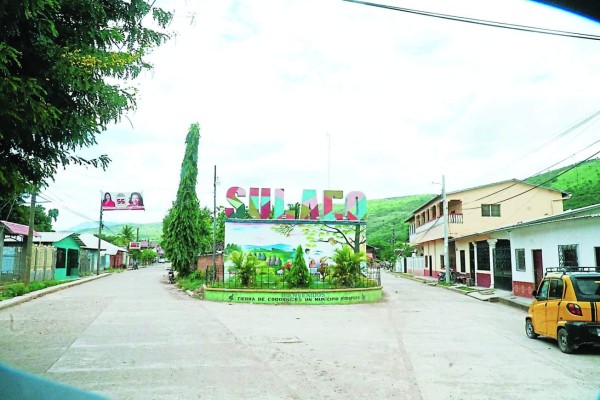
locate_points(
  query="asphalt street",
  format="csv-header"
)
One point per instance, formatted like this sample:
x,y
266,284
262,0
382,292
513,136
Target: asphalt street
x,y
134,336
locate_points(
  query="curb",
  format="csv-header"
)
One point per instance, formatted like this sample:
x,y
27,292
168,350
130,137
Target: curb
x,y
496,299
520,306
39,293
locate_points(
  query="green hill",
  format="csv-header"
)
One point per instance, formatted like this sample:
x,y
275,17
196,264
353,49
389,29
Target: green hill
x,y
583,182
152,231
385,219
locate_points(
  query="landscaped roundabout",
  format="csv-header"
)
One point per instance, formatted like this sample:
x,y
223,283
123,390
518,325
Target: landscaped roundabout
x,y
285,257
250,280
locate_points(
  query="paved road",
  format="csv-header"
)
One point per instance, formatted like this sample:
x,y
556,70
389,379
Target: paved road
x,y
133,336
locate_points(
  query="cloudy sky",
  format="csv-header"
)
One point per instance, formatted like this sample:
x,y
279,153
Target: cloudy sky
x,y
328,94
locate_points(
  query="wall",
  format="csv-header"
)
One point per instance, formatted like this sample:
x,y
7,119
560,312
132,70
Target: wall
x,y
276,241
207,261
548,236
533,204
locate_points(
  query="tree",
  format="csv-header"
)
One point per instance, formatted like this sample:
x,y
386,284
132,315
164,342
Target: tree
x,y
245,265
126,236
298,276
346,272
56,59
182,230
18,212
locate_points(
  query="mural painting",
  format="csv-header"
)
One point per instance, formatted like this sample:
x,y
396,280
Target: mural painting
x,y
274,242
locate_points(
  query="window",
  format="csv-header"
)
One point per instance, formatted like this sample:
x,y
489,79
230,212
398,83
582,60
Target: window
x,y
483,256
556,289
490,210
61,258
520,259
542,293
567,255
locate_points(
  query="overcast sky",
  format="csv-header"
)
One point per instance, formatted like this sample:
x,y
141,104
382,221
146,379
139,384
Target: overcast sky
x,y
327,94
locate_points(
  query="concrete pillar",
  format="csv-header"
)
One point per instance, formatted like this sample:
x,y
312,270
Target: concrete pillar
x,y
492,244
475,262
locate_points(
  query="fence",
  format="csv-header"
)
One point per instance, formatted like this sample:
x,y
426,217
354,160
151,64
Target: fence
x,y
271,278
410,265
13,262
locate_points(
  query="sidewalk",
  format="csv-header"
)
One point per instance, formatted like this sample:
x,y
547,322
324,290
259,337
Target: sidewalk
x,y
477,292
38,293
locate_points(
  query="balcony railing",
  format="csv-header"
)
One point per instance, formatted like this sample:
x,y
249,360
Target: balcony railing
x,y
452,219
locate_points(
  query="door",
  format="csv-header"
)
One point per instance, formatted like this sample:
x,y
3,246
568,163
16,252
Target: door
x,y
538,267
555,295
538,312
430,265
502,266
72,262
472,263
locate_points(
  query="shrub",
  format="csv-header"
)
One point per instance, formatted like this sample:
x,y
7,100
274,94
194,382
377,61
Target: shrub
x,y
346,272
192,281
33,286
245,264
298,276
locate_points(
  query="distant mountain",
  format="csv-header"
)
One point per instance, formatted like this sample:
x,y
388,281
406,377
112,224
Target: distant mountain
x,y
86,226
151,231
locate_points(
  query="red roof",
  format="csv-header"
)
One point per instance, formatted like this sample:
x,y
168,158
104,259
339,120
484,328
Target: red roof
x,y
18,229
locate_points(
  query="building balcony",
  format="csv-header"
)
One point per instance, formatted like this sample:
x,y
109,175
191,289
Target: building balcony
x,y
435,224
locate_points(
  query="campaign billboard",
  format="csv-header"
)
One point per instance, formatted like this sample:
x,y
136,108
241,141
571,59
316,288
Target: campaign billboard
x,y
114,201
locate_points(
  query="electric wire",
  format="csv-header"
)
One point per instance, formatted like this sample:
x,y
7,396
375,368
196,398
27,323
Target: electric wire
x,y
476,21
560,135
543,183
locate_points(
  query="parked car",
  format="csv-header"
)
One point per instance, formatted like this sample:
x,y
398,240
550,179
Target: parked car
x,y
566,307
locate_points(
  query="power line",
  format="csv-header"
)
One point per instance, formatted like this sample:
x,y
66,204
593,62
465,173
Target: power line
x,y
539,185
562,134
483,22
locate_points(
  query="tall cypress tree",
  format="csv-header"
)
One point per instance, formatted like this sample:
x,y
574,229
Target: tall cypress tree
x,y
298,276
182,225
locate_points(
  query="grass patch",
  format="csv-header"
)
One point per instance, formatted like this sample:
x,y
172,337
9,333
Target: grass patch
x,y
466,289
192,281
19,289
444,283
114,270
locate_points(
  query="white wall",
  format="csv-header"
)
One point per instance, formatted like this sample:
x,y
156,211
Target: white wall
x,y
584,232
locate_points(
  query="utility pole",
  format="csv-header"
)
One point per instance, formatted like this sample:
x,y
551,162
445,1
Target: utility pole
x,y
214,230
328,159
29,247
99,235
445,211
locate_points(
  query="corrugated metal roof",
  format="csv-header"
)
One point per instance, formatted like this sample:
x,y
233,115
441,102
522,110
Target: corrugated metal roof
x,y
91,241
53,237
18,229
111,249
